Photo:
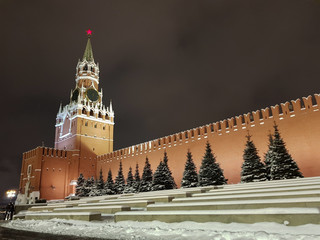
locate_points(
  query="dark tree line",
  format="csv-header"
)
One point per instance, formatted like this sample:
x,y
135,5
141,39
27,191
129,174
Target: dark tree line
x,y
278,164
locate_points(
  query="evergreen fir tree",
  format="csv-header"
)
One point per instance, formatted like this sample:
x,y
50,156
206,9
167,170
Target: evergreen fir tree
x,y
210,172
282,164
100,184
162,178
130,181
80,192
190,176
170,184
268,157
159,178
94,191
88,185
119,183
109,185
137,179
253,170
146,180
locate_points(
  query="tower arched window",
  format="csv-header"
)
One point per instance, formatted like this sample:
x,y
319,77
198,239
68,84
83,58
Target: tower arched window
x,y
92,69
85,68
100,115
84,111
91,112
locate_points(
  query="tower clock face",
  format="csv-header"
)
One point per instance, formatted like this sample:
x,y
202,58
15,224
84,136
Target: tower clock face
x,y
75,95
92,95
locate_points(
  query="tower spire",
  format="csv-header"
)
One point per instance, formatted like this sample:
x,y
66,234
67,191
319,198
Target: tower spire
x,y
88,54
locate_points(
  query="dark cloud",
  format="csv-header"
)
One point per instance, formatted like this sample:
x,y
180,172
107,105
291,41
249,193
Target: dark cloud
x,y
167,65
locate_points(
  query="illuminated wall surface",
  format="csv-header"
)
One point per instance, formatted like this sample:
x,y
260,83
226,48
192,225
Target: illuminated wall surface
x,y
53,170
298,124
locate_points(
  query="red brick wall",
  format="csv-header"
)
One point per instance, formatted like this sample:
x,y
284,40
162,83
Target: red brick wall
x,y
299,127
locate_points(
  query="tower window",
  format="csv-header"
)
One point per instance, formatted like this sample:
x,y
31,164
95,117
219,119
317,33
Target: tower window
x,y
86,124
29,169
92,69
85,68
104,127
95,126
91,113
84,111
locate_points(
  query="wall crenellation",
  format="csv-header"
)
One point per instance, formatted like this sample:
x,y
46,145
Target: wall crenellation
x,y
225,126
45,151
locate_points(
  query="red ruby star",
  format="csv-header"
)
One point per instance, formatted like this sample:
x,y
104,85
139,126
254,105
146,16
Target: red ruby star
x,y
89,32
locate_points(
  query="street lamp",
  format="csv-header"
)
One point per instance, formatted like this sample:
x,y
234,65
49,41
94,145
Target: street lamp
x,y
11,194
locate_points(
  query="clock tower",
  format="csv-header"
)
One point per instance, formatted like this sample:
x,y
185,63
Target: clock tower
x,y
85,124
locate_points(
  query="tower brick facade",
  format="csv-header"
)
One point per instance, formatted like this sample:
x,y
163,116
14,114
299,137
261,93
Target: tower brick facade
x,y
84,129
84,140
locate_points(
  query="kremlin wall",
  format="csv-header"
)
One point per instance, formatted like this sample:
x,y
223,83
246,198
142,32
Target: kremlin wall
x,y
298,123
84,141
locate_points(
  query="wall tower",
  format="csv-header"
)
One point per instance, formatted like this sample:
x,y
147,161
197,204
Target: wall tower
x,y
85,123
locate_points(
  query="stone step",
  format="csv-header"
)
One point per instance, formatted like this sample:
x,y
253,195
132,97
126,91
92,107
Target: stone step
x,y
48,208
259,190
177,194
264,186
99,198
131,203
247,204
274,182
152,198
83,216
101,209
252,196
24,207
288,216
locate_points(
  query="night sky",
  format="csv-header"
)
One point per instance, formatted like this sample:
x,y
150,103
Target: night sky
x,y
168,66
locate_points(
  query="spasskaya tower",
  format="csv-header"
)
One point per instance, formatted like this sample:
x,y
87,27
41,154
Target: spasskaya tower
x,y
85,123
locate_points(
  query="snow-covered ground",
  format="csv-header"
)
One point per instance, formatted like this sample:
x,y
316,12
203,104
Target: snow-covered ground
x,y
170,231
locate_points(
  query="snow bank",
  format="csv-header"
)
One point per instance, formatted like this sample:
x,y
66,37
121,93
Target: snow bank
x,y
173,231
